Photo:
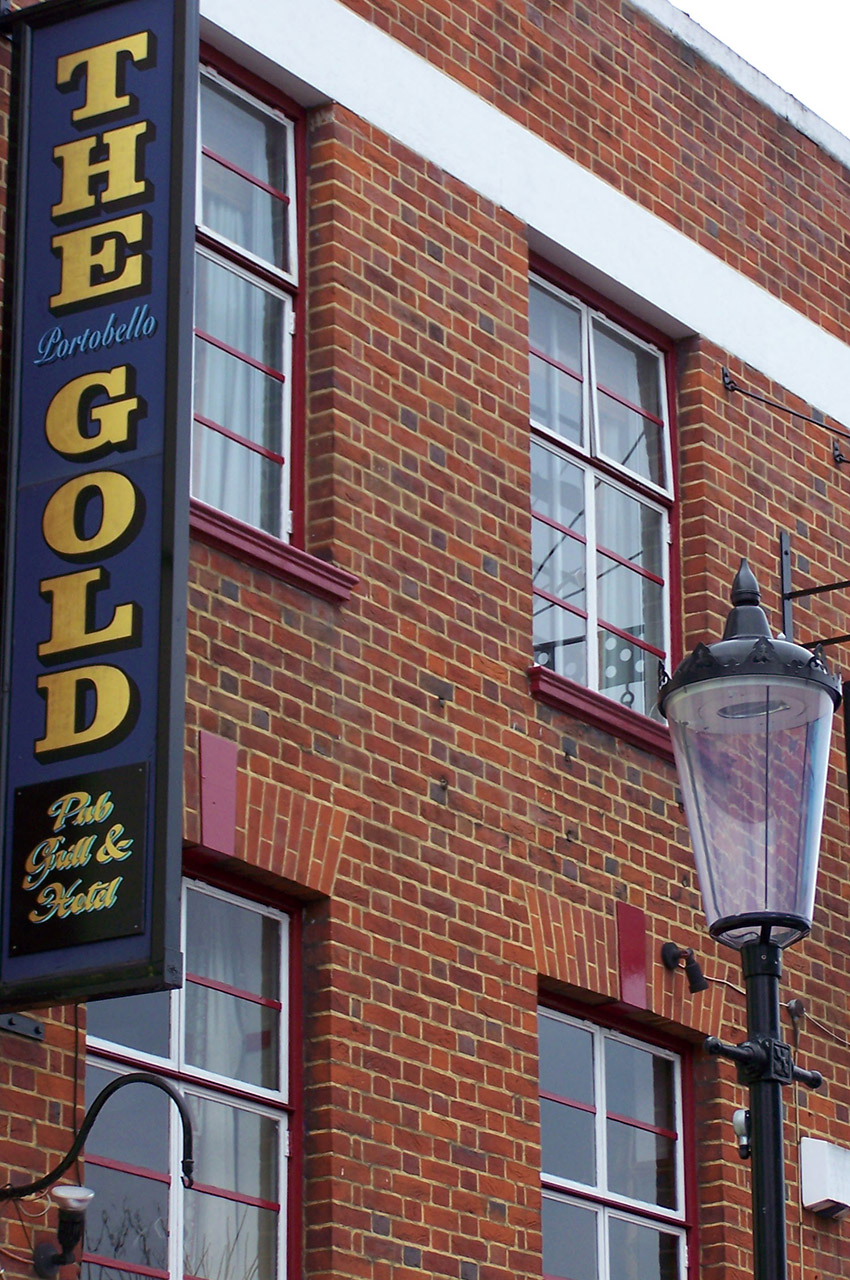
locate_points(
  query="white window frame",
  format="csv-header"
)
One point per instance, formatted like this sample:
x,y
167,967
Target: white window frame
x,y
281,282
598,1197
288,126
587,455
193,1081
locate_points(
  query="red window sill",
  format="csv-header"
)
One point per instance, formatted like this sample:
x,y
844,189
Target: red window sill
x,y
597,710
292,565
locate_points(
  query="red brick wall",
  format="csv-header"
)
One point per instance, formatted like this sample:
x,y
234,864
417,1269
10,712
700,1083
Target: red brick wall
x,y
625,99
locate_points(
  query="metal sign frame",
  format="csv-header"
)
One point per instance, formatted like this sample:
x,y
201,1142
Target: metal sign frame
x,y
97,353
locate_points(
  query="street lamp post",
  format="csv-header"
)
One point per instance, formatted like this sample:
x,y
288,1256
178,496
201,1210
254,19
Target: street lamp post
x,y
750,719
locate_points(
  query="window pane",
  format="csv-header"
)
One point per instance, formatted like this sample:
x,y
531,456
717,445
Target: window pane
x,y
232,206
227,1240
639,1252
555,400
630,528
128,1218
557,489
566,1070
91,1271
641,1164
230,1037
568,1143
235,395
133,1126
251,959
639,1084
627,369
566,1059
235,1149
633,441
570,1240
625,434
555,329
250,321
558,563
559,640
137,1022
234,479
226,1034
630,602
238,1152
628,674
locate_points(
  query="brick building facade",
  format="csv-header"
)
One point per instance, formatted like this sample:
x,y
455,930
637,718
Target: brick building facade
x,y
426,792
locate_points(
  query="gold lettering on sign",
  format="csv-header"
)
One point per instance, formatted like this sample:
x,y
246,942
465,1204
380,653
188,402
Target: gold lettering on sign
x,y
56,900
99,512
76,808
64,851
120,166
96,261
64,514
71,411
69,722
72,610
102,68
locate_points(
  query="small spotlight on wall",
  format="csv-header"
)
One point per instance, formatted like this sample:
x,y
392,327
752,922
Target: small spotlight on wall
x,y
675,957
72,1202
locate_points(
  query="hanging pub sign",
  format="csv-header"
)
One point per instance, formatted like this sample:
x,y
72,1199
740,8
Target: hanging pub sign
x,y
97,361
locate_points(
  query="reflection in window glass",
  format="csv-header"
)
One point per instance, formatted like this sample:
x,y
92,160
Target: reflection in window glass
x,y
639,1084
569,1240
600,501
140,1110
244,295
228,1055
639,1252
128,1217
612,1160
138,1022
254,143
229,1240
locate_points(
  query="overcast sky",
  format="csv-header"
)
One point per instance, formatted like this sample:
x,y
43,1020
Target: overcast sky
x,y
803,45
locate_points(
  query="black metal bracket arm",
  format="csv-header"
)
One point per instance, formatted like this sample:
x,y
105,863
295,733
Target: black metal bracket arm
x,y
730,384
10,1192
763,1059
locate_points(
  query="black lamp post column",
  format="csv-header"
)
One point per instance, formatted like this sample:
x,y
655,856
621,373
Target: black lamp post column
x,y
765,1064
762,965
750,720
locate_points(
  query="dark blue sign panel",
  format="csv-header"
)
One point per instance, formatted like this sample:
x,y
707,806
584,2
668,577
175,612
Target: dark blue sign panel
x,y
94,619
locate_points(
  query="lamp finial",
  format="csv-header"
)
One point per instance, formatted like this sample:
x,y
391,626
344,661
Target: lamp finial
x,y
746,617
745,589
